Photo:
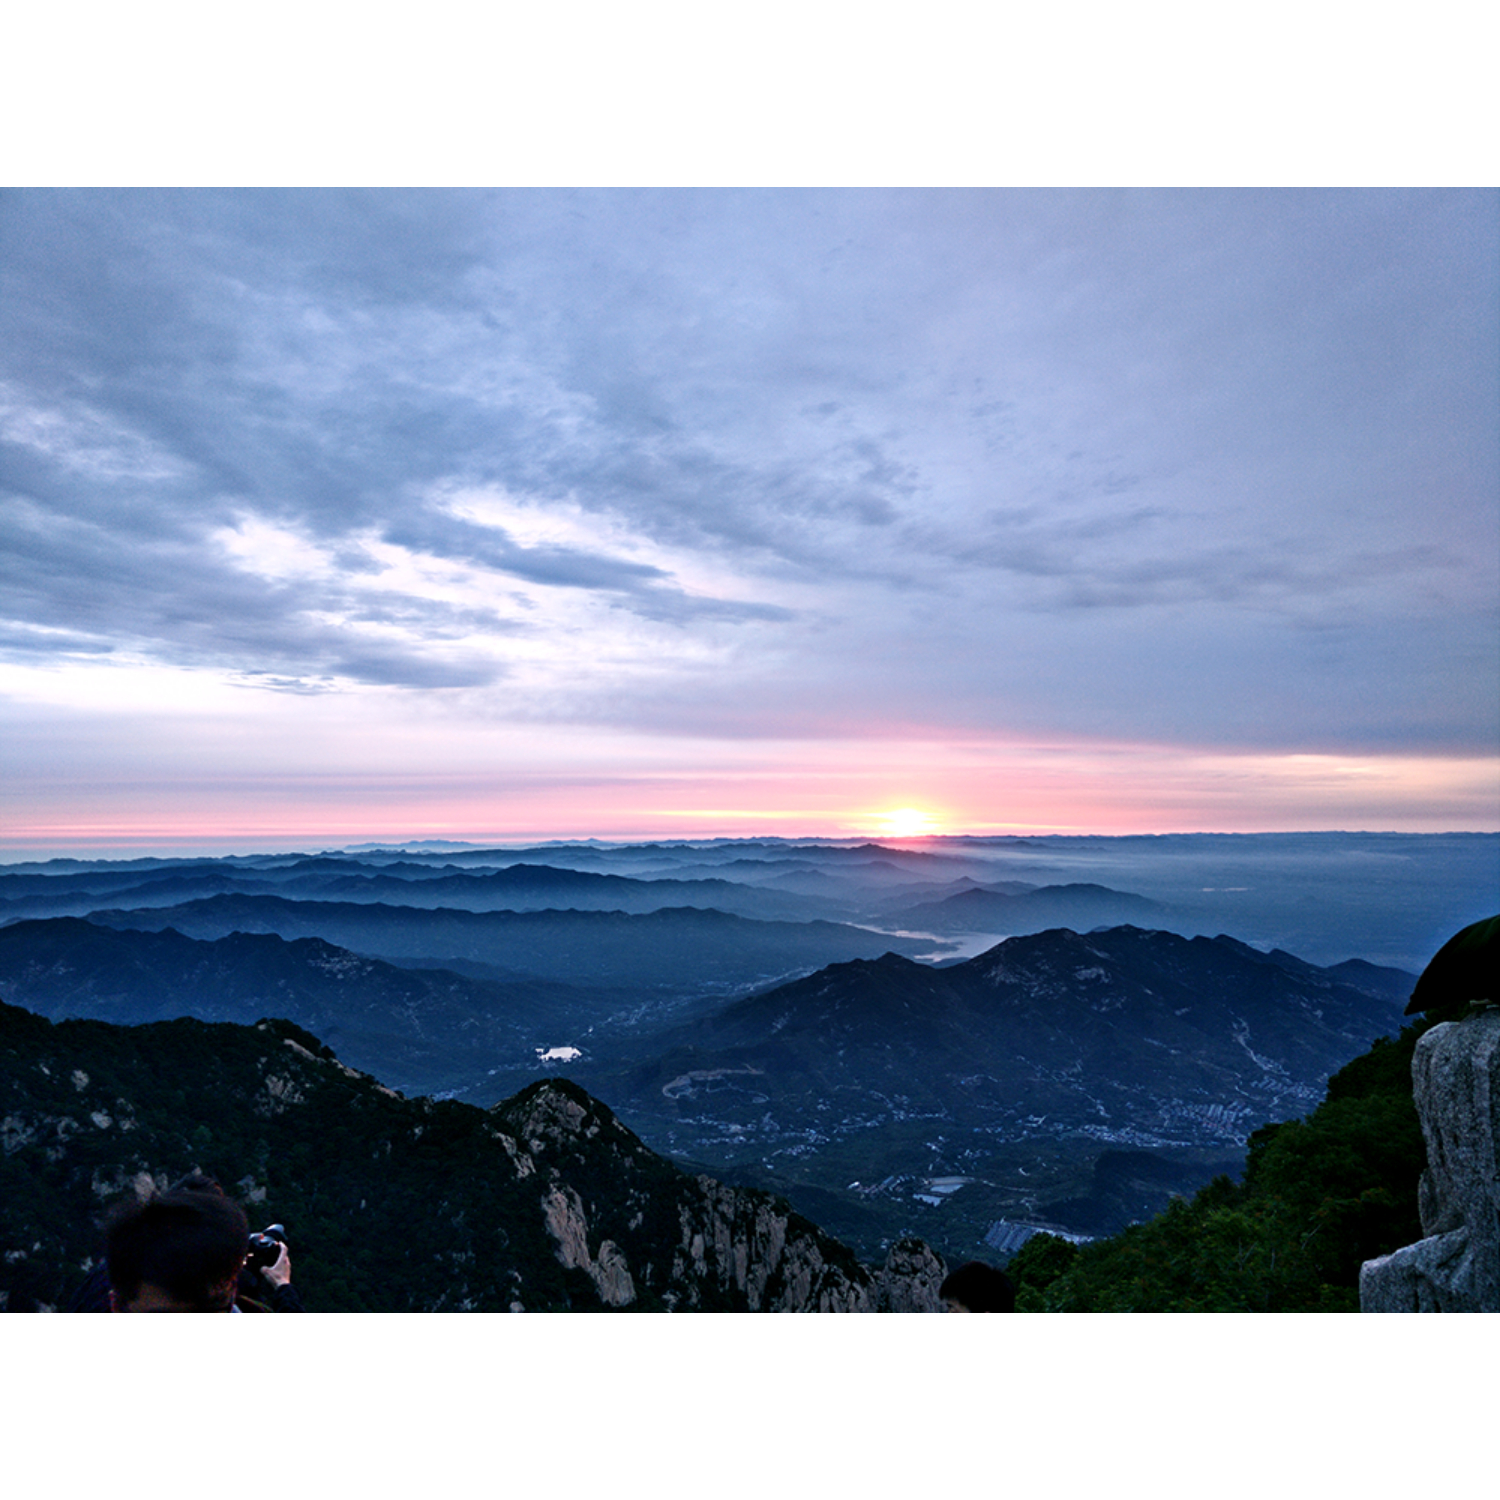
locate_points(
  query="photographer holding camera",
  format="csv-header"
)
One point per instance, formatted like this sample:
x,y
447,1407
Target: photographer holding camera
x,y
269,1256
189,1250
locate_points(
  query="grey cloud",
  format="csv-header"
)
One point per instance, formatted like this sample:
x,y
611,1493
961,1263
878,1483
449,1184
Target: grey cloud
x,y
195,279
353,560
640,588
20,642
1288,581
176,603
434,619
1189,679
490,547
1268,579
406,669
676,606
1213,404
319,673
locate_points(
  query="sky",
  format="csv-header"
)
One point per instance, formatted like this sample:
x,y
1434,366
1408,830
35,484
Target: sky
x,y
529,513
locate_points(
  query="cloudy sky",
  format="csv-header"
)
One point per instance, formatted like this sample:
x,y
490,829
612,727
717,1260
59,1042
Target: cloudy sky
x,y
533,513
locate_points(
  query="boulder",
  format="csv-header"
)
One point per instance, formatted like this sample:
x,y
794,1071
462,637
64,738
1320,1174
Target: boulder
x,y
1456,1267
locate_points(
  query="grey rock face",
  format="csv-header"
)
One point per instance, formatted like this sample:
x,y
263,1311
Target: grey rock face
x,y
1456,1268
910,1278
733,1247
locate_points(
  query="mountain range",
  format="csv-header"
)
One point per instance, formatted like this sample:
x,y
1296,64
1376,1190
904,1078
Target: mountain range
x,y
419,1030
1030,1082
1387,898
670,951
1006,1078
952,1038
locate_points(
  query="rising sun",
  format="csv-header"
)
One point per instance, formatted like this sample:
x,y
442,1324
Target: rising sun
x,y
906,822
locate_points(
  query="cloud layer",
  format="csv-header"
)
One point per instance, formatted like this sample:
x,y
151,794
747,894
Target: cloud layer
x,y
1216,469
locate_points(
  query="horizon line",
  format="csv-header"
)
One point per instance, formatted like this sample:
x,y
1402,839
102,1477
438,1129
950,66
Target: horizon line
x,y
126,848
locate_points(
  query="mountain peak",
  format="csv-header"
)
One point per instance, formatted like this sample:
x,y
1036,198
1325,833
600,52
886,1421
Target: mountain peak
x,y
555,1111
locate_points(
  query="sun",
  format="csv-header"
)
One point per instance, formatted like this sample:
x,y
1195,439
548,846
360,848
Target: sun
x,y
906,822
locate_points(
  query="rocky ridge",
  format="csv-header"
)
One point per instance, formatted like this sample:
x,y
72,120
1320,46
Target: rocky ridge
x,y
544,1202
730,1244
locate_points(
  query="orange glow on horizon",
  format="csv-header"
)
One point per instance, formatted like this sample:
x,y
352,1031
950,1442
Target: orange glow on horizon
x,y
907,823
621,790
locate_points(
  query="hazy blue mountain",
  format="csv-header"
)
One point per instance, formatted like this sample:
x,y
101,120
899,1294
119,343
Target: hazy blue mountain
x,y
1388,899
984,909
515,887
532,887
417,1030
674,950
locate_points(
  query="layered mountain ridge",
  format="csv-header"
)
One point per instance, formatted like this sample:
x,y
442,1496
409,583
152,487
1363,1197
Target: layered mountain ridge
x,y
669,949
930,1100
420,1030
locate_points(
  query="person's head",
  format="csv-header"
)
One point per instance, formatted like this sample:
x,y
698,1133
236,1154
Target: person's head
x,y
179,1251
975,1287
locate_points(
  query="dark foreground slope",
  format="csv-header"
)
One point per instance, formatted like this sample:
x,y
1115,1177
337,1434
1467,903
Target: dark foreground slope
x,y
544,1202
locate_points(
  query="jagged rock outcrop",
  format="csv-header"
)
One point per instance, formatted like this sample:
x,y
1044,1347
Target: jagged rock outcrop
x,y
1456,1267
910,1279
740,1246
733,1248
609,1270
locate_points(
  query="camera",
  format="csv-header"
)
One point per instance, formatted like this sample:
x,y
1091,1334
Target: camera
x,y
265,1247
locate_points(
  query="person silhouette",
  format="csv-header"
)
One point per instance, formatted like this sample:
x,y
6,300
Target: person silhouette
x,y
975,1287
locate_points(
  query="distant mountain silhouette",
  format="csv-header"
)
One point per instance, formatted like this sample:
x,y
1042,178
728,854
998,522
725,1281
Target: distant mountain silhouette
x,y
1325,897
981,909
516,887
528,887
674,949
416,1029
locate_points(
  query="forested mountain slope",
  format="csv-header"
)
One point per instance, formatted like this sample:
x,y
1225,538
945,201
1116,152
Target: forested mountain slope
x,y
1320,1196
545,1202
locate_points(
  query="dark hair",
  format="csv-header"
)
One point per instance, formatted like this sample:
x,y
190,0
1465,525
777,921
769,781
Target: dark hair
x,y
186,1242
980,1288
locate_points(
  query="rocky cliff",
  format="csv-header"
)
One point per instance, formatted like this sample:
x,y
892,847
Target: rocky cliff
x,y
725,1248
1456,1266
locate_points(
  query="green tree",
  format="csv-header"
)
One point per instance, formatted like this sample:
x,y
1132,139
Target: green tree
x,y
1320,1196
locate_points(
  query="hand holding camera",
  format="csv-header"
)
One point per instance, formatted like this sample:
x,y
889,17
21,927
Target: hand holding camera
x,y
269,1255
